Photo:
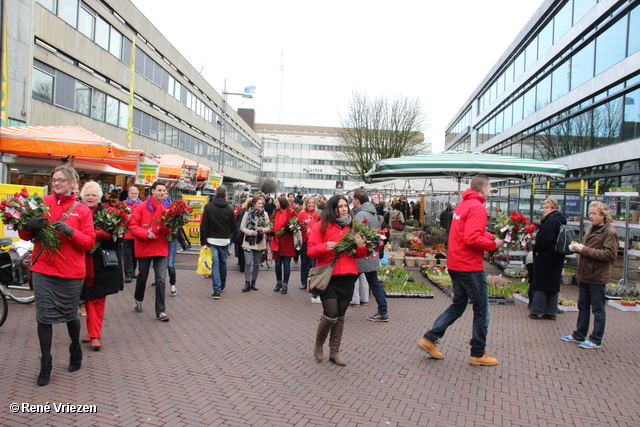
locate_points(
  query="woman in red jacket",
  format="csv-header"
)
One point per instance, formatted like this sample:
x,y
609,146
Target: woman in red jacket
x,y
308,216
282,245
336,219
58,276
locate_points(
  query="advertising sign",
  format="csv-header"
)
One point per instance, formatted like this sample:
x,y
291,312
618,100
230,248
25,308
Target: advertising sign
x,y
215,180
192,229
6,192
147,171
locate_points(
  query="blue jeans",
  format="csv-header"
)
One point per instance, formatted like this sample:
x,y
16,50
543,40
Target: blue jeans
x,y
467,286
378,292
218,267
590,298
305,264
171,261
283,263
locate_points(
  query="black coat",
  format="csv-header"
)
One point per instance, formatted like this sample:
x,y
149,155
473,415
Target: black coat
x,y
106,281
547,264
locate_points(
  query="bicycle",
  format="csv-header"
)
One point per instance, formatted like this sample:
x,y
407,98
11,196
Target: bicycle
x,y
17,289
267,254
4,308
183,240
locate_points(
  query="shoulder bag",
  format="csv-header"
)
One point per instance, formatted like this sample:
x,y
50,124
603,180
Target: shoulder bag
x,y
319,278
109,258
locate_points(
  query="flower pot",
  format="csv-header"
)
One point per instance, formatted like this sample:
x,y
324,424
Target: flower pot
x,y
410,261
439,247
628,303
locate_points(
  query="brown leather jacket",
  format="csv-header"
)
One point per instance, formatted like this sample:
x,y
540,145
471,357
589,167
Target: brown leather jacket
x,y
600,250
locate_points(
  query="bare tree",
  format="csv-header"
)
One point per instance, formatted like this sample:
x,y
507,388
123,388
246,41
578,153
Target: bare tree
x,y
267,184
376,129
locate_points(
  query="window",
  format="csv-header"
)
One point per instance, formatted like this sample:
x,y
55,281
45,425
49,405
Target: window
x,y
42,86
517,110
83,98
562,22
631,125
582,66
112,110
65,90
634,31
102,33
98,105
580,8
68,11
560,81
51,5
115,43
610,46
86,21
529,102
545,39
124,115
531,54
518,65
543,92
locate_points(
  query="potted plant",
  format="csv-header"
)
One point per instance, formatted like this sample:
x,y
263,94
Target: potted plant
x,y
628,301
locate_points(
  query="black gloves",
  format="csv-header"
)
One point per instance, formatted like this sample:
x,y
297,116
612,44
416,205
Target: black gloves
x,y
36,222
62,227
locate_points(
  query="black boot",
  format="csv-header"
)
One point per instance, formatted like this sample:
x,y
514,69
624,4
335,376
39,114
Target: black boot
x,y
75,357
45,370
253,285
285,287
278,286
247,287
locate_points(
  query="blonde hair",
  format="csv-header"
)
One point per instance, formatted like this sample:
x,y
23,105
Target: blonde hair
x,y
248,201
553,203
307,200
91,185
603,209
69,173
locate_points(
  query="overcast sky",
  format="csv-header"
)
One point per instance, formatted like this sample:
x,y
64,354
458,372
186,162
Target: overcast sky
x,y
438,51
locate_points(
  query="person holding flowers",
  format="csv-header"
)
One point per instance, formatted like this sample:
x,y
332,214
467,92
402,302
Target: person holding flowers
x,y
129,257
59,271
175,217
332,240
101,281
151,246
282,243
547,263
254,225
306,217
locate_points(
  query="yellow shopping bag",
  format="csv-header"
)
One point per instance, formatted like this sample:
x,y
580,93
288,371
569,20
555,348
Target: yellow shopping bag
x,y
204,261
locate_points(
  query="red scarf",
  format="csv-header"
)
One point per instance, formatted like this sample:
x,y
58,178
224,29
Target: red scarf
x,y
152,205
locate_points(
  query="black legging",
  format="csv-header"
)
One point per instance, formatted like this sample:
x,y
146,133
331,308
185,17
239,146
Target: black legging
x,y
45,335
333,308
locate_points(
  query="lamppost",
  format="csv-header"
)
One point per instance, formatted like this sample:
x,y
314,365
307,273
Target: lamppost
x,y
264,140
224,122
277,163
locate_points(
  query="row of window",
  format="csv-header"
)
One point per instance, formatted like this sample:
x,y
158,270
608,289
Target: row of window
x,y
82,17
557,27
55,87
300,161
572,132
301,147
298,176
461,126
613,45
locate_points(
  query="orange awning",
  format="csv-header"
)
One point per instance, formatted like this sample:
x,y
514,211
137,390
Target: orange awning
x,y
66,141
173,164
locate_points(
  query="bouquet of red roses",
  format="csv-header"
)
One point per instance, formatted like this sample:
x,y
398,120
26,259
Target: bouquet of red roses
x,y
515,229
176,216
373,238
294,224
114,219
19,209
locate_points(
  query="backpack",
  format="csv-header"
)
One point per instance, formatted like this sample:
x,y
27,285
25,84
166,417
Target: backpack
x,y
565,236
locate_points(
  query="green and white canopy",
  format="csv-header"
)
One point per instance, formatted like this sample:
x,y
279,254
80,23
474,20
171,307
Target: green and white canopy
x,y
463,164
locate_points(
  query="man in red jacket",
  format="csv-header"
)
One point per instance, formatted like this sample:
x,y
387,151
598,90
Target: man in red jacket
x,y
468,239
150,235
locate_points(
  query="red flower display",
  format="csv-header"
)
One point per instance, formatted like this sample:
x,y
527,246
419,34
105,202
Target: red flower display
x,y
176,216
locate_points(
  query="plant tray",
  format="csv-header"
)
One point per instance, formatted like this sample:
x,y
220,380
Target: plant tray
x,y
515,276
502,301
616,304
407,295
447,291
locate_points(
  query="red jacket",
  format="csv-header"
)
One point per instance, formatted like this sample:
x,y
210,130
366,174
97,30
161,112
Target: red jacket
x,y
284,243
310,218
143,220
317,248
131,206
70,262
468,238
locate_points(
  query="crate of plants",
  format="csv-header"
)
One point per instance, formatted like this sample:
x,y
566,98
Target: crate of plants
x,y
439,277
399,283
567,275
617,291
565,304
515,273
500,291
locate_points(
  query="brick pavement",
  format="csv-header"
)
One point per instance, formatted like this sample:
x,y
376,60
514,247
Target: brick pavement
x,y
247,360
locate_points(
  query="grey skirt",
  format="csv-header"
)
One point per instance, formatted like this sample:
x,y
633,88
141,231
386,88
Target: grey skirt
x,y
56,298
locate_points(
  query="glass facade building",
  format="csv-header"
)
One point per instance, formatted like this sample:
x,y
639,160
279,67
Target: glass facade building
x,y
70,63
567,89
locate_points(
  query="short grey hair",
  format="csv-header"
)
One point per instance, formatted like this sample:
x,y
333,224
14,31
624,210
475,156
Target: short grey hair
x,y
91,185
221,191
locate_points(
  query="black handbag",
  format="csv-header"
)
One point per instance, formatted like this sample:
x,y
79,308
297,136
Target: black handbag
x,y
109,258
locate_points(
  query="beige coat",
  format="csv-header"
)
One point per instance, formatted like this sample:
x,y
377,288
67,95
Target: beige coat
x,y
243,228
395,214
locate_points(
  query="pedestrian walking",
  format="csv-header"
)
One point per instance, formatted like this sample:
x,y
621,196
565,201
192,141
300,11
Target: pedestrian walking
x,y
308,216
129,255
467,243
253,227
282,245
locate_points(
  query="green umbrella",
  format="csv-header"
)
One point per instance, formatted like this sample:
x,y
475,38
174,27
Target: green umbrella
x,y
463,164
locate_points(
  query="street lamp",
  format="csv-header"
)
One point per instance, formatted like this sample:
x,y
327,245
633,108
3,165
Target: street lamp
x,y
224,121
277,163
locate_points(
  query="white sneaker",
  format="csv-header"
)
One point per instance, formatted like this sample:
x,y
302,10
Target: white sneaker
x,y
174,291
316,300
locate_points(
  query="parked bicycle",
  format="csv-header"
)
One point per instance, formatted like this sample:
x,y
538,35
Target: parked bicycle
x,y
14,282
267,255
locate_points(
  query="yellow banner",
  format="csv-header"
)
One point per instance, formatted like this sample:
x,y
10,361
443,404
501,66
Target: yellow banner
x,y
4,98
193,228
132,68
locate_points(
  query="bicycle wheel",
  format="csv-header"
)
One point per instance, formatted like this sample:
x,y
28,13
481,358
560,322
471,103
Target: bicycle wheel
x,y
22,294
269,258
4,308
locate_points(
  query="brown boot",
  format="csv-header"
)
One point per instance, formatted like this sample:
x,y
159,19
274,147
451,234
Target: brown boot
x,y
324,326
335,339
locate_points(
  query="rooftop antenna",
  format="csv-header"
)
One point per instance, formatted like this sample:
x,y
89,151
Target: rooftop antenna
x,y
281,73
